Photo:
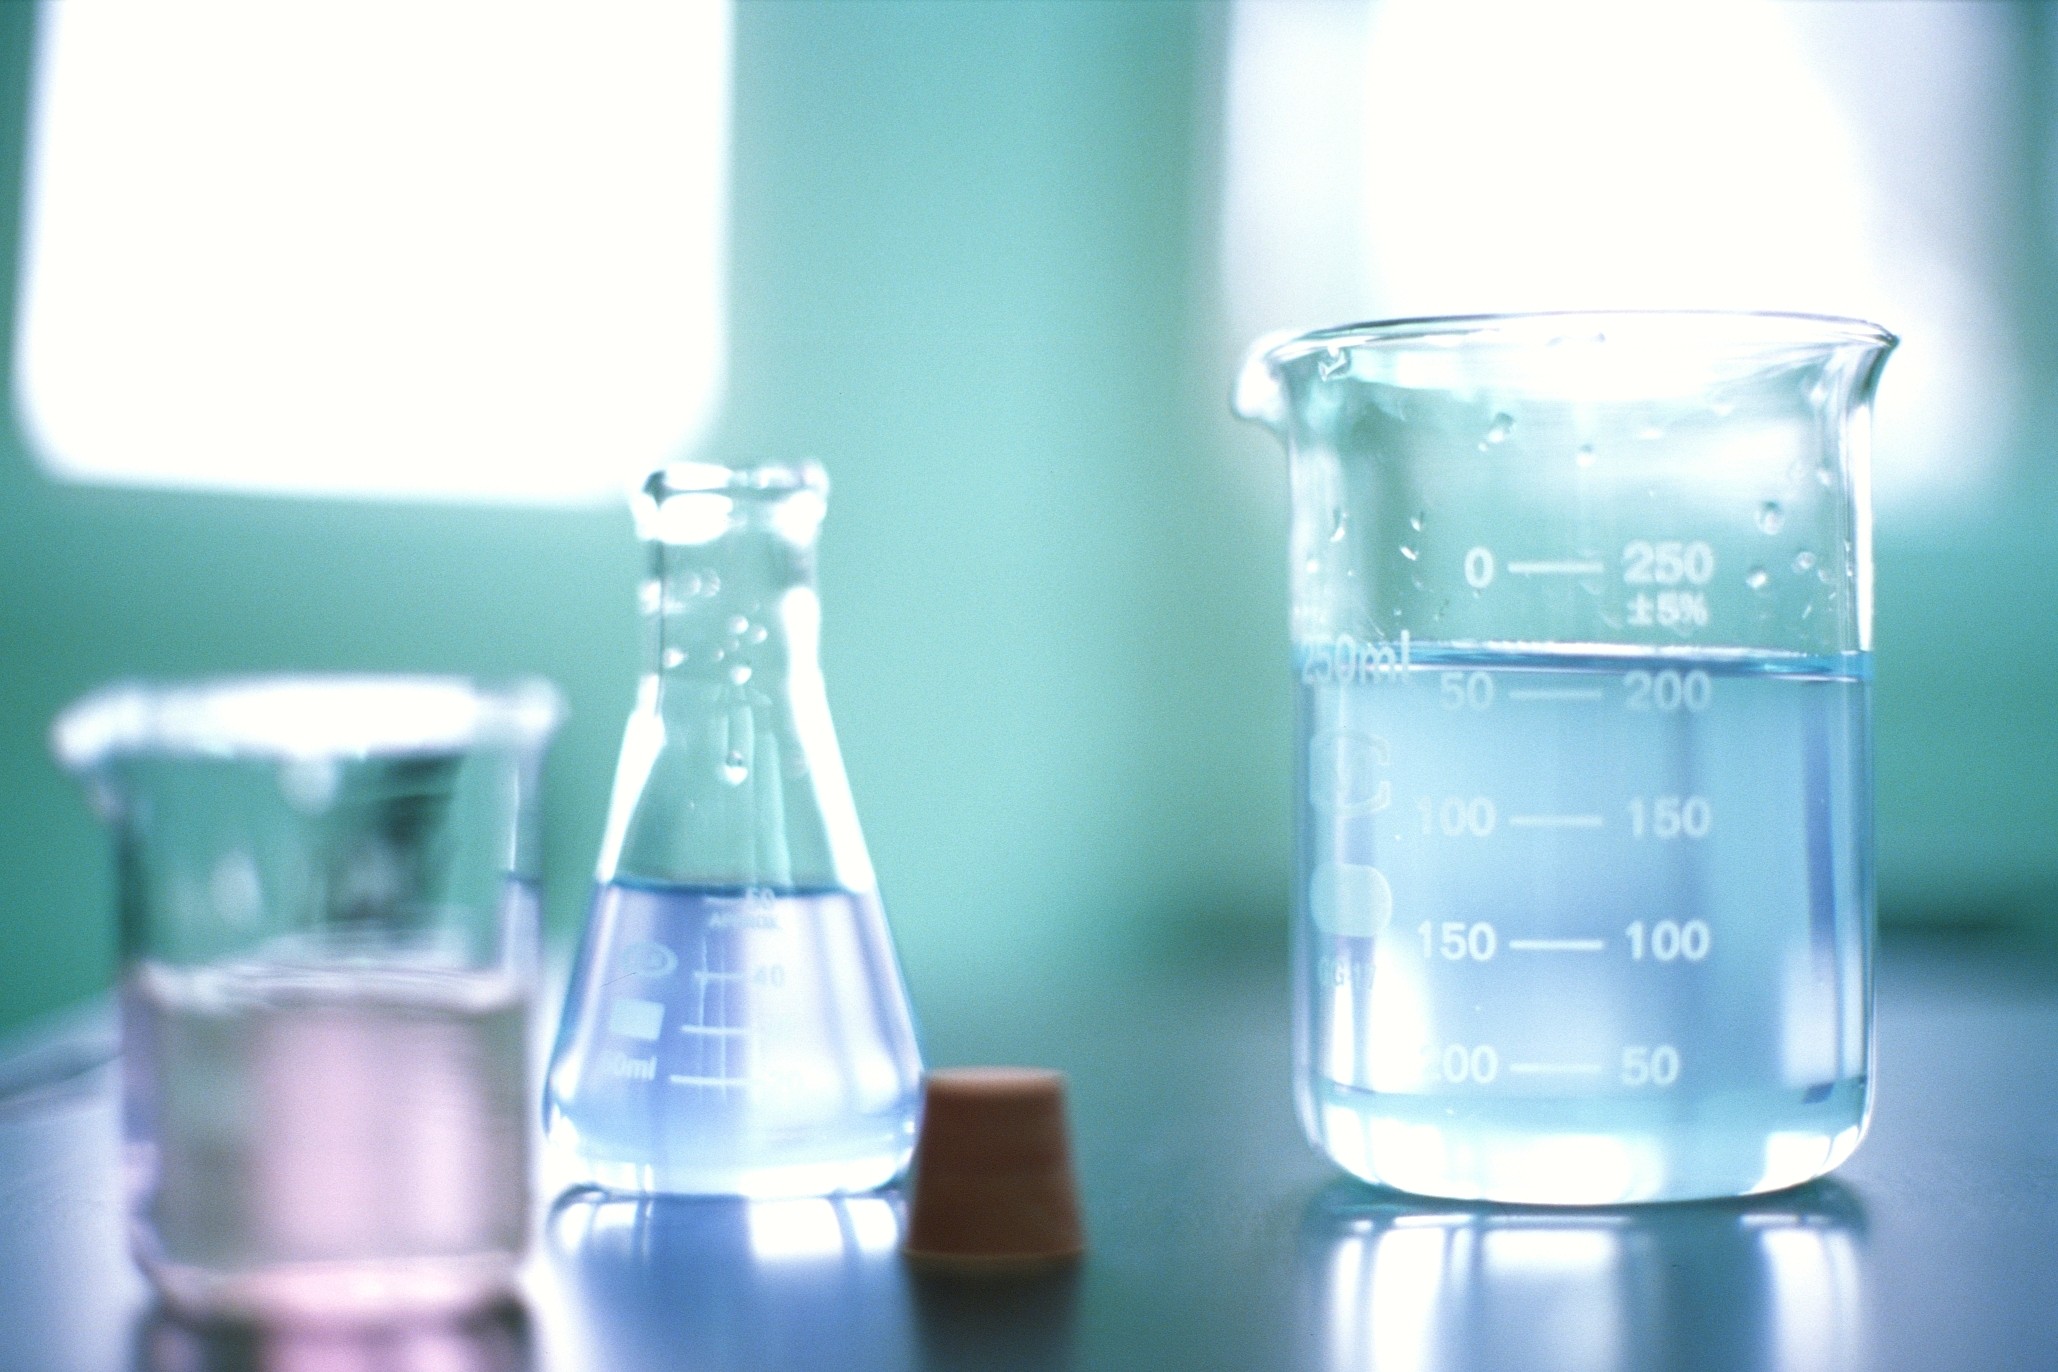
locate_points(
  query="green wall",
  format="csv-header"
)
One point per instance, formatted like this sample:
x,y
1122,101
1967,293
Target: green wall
x,y
972,271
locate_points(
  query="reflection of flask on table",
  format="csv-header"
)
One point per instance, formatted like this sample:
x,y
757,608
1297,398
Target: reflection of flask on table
x,y
736,1022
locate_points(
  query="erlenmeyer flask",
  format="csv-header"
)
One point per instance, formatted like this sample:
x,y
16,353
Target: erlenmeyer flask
x,y
736,1022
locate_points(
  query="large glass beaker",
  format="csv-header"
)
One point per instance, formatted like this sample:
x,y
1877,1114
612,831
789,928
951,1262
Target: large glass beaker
x,y
1581,619
736,1022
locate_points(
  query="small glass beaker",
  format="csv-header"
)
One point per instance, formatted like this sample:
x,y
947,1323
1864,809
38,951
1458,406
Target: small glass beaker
x,y
1581,619
327,891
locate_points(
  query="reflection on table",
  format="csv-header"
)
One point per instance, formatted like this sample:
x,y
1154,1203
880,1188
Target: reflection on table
x,y
649,1283
494,1341
1398,1284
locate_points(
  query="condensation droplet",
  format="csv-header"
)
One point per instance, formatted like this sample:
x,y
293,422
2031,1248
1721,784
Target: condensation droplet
x,y
1415,521
1340,525
735,769
1757,579
1334,363
673,657
1804,560
1585,456
739,674
1312,565
1409,553
757,634
650,596
1824,477
1770,517
1502,426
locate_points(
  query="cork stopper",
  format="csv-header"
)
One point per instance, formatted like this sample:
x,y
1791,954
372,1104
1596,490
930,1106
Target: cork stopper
x,y
993,1184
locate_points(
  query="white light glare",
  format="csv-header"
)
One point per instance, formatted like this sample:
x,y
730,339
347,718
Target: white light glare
x,y
423,250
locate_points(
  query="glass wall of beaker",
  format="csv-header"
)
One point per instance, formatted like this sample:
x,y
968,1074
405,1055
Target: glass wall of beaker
x,y
1581,626
328,903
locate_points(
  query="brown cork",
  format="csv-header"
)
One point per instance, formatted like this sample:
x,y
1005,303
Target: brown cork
x,y
993,1182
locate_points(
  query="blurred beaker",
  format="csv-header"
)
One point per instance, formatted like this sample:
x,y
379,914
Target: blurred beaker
x,y
327,891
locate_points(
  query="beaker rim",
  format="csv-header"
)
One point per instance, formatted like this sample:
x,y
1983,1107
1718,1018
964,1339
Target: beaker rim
x,y
1743,328
301,716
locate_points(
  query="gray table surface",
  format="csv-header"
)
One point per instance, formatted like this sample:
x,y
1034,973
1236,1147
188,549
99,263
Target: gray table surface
x,y
1219,1239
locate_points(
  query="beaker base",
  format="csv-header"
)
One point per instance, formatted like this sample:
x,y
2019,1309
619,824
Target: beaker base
x,y
1596,1150
829,1177
338,1292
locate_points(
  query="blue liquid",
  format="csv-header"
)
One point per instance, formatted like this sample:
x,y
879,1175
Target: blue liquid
x,y
1580,929
733,1042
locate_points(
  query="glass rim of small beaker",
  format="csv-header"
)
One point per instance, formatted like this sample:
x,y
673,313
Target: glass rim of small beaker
x,y
304,716
1740,328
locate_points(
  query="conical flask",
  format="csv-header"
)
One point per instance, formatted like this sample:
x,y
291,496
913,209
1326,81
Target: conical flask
x,y
736,1022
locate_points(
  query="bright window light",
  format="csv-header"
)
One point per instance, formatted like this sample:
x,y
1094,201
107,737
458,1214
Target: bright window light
x,y
424,250
1403,157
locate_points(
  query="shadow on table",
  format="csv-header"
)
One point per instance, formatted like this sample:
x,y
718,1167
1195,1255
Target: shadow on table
x,y
1394,1282
814,1283
493,1341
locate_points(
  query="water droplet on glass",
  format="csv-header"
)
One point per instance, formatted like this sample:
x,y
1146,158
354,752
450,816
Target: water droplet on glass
x,y
1415,522
1498,431
736,624
1822,575
1341,524
649,596
1824,477
1803,560
757,634
1312,565
710,585
1757,579
1770,517
1585,456
674,657
1409,553
739,674
735,769
1334,363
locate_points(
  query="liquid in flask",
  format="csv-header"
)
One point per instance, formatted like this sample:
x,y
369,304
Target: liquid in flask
x,y
736,1021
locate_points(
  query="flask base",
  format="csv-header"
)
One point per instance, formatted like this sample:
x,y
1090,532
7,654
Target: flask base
x,y
764,1181
1588,1151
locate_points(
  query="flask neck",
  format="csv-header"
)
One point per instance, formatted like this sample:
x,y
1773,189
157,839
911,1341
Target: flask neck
x,y
736,612
730,774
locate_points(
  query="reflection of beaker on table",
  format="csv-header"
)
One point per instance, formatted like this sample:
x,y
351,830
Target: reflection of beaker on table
x,y
496,1340
1395,1286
